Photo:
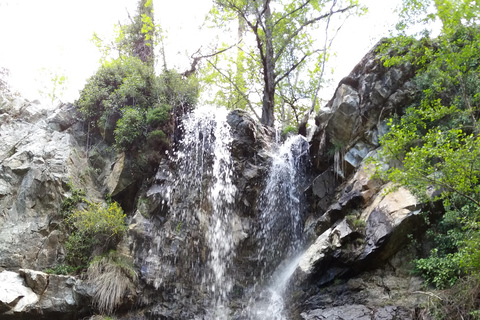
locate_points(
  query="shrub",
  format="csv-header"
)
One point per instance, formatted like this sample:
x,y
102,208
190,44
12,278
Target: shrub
x,y
123,82
113,277
441,271
158,117
130,129
70,203
96,230
157,139
62,269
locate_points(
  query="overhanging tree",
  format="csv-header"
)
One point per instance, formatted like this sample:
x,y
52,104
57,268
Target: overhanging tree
x,y
283,43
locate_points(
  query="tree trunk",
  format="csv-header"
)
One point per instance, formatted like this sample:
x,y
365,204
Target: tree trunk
x,y
268,74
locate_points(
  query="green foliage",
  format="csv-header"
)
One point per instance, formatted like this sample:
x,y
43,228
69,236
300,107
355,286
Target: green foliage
x,y
435,146
278,50
124,100
158,117
113,276
96,230
130,129
53,84
442,271
63,269
116,85
70,203
289,129
355,222
157,139
437,139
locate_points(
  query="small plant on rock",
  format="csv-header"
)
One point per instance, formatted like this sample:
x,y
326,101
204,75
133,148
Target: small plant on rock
x,y
113,277
97,230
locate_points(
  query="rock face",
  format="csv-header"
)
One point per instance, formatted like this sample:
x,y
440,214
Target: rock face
x,y
42,151
33,294
355,225
354,265
38,157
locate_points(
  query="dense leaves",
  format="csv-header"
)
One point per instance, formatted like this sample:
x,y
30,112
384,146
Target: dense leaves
x,y
95,230
433,148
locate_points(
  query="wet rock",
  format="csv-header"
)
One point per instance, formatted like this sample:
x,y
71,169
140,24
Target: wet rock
x,y
369,94
349,312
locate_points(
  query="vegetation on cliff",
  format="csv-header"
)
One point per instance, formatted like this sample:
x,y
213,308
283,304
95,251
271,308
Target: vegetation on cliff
x,y
434,148
126,103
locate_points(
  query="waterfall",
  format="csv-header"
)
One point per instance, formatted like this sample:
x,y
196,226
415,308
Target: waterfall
x,y
281,226
200,238
205,172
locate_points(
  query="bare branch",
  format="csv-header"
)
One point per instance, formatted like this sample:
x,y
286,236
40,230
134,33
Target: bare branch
x,y
302,127
197,59
307,23
237,89
295,66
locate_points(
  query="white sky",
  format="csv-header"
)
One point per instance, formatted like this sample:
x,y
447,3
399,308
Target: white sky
x,y
55,34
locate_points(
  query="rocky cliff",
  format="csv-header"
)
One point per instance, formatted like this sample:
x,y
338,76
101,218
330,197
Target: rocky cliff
x,y
351,234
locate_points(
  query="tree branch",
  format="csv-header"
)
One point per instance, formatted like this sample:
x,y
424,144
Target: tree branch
x,y
197,59
291,12
307,23
237,89
295,65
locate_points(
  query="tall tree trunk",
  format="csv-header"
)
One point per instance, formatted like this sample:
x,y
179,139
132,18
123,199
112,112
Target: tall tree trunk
x,y
240,100
268,73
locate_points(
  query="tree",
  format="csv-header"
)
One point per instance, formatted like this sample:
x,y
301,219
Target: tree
x,y
437,140
125,102
136,39
282,44
434,145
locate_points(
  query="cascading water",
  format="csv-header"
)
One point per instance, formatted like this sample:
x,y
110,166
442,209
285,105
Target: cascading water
x,y
205,170
199,249
281,226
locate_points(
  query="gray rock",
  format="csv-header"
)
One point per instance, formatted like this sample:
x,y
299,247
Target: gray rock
x,y
36,280
348,312
14,295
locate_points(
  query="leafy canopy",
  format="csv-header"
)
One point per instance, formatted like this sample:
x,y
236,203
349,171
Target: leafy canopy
x,y
278,43
433,147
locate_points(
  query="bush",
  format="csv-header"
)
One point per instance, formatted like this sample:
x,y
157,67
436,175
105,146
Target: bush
x,y
96,230
441,271
157,139
113,277
123,82
62,269
158,117
130,129
69,204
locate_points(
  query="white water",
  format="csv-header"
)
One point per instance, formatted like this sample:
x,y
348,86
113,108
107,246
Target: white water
x,y
205,163
205,171
281,227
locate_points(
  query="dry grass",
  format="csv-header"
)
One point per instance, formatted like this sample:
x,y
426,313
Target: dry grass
x,y
113,277
460,302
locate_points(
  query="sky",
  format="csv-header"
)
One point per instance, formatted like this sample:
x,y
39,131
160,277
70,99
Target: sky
x,y
55,35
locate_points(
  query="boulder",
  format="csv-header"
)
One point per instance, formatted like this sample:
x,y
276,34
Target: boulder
x,y
35,280
15,296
